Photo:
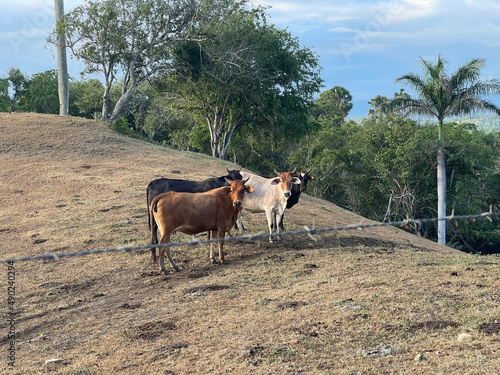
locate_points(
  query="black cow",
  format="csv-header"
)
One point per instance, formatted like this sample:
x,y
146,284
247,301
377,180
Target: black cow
x,y
162,185
304,177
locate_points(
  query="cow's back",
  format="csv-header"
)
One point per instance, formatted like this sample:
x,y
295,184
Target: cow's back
x,y
192,213
210,184
265,194
163,185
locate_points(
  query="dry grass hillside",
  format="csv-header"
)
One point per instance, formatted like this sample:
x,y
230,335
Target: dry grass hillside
x,y
350,302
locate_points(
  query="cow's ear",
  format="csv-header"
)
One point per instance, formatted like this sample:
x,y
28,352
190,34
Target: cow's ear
x,y
311,177
226,190
249,188
296,181
227,180
276,181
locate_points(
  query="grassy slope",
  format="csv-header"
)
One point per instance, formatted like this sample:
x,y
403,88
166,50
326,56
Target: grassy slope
x,y
336,305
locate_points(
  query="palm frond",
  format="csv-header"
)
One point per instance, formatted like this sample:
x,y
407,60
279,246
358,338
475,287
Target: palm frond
x,y
467,73
441,95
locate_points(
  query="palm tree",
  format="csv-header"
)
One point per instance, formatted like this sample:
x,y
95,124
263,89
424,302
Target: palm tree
x,y
441,95
337,98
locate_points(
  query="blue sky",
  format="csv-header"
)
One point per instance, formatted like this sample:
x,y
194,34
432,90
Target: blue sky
x,y
362,45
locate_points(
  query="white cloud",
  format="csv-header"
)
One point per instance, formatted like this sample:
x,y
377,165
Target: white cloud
x,y
342,30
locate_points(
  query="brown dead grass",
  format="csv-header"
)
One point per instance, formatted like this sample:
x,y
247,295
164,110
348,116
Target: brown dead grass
x,y
358,302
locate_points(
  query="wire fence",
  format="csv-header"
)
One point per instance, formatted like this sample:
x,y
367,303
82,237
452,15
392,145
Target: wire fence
x,y
251,237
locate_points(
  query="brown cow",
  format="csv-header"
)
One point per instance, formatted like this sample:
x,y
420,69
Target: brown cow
x,y
191,213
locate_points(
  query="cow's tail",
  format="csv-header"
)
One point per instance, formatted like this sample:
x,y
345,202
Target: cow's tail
x,y
147,203
154,228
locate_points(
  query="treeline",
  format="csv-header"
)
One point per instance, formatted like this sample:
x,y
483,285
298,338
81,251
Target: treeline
x,y
225,82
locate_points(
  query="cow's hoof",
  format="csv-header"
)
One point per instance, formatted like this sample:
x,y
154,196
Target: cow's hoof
x,y
177,269
223,261
165,272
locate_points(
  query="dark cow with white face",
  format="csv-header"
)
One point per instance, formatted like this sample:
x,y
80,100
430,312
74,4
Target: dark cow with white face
x,y
304,178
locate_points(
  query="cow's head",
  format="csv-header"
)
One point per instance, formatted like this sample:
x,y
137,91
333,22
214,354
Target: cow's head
x,y
233,174
285,180
238,190
304,177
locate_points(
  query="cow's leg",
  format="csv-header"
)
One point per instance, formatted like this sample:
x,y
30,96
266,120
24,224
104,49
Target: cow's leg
x,y
161,256
162,250
221,234
279,216
154,237
269,215
212,244
240,224
281,221
154,240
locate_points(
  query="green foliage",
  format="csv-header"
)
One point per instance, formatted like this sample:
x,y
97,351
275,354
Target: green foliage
x,y
199,139
41,94
242,93
123,126
472,184
19,82
5,101
332,102
384,169
86,97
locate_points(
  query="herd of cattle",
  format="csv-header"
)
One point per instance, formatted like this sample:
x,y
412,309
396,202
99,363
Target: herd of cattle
x,y
214,206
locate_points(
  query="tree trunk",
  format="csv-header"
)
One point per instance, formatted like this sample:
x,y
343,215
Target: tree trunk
x,y
105,102
122,101
441,186
62,64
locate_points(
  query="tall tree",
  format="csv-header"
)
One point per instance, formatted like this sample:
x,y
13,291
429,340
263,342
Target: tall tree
x,y
332,103
5,103
128,38
250,74
62,64
337,97
19,84
440,95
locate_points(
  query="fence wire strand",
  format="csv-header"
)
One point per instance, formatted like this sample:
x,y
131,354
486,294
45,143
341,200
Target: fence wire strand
x,y
249,237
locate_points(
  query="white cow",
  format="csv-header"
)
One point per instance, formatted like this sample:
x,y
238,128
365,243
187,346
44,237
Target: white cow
x,y
270,196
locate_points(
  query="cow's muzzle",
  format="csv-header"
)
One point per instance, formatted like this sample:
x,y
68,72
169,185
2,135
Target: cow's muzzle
x,y
237,204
